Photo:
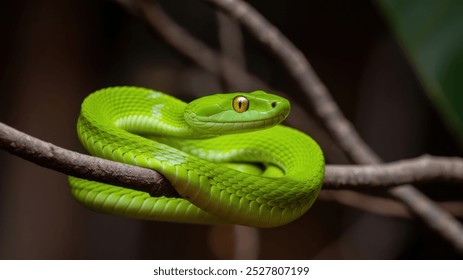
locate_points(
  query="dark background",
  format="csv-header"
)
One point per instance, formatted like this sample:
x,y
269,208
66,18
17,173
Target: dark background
x,y
54,53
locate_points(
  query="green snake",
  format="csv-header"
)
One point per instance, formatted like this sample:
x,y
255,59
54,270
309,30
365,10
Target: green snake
x,y
227,155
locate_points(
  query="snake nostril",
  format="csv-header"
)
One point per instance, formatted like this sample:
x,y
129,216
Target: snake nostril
x,y
274,104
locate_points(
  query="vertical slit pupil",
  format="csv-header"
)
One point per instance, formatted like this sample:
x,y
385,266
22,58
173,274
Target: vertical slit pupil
x,y
240,104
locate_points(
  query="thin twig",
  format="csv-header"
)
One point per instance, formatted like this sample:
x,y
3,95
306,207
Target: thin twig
x,y
231,47
424,169
195,49
328,111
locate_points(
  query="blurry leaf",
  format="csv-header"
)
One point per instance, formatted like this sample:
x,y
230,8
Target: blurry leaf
x,y
431,35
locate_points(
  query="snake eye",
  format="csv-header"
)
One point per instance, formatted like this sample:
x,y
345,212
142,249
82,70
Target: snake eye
x,y
240,104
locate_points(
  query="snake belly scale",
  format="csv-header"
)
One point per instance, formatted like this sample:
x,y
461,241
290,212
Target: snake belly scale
x,y
203,148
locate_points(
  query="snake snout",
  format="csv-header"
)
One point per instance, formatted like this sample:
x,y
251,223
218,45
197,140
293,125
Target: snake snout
x,y
281,107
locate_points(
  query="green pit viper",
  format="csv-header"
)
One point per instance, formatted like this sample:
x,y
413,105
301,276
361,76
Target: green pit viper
x,y
225,154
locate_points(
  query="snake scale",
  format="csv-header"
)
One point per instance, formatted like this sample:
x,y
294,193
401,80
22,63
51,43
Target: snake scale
x,y
227,155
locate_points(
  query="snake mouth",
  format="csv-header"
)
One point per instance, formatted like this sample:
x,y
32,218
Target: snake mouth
x,y
274,120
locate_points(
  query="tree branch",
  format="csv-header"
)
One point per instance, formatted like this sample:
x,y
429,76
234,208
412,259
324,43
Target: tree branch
x,y
332,117
83,166
424,169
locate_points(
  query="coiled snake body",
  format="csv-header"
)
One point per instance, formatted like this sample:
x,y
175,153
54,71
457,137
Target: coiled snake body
x,y
225,154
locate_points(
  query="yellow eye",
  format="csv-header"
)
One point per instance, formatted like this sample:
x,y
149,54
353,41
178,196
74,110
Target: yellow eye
x,y
240,104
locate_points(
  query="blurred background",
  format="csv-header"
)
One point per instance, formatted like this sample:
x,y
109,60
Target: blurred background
x,y
394,69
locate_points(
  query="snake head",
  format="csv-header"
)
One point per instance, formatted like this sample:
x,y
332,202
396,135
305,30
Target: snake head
x,y
236,112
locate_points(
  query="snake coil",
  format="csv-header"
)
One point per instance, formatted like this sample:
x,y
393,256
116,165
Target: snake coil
x,y
225,154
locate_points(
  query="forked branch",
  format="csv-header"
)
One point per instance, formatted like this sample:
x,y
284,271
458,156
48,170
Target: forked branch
x,y
332,117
